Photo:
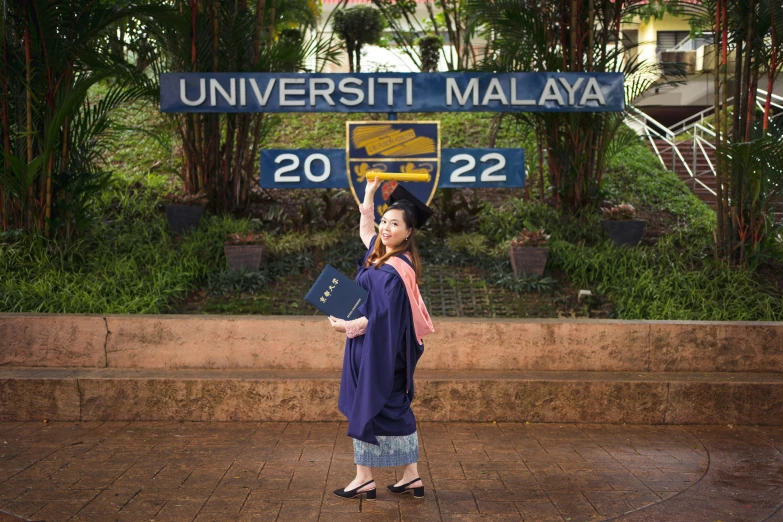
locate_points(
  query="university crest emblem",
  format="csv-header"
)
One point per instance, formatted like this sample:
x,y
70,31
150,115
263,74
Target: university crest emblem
x,y
406,150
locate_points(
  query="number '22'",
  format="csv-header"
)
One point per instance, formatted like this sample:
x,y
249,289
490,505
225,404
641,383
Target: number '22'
x,y
460,174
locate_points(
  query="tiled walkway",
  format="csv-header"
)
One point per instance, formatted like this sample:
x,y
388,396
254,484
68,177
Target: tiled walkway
x,y
141,471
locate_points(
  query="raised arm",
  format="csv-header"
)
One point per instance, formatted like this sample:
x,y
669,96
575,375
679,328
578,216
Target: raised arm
x,y
367,209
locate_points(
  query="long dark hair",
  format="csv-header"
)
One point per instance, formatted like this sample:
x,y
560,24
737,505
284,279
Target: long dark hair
x,y
380,252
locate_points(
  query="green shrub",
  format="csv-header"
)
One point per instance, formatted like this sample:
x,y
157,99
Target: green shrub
x,y
237,281
665,283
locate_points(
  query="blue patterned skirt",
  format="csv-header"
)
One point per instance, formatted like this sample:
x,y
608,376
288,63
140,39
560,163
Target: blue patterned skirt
x,y
393,451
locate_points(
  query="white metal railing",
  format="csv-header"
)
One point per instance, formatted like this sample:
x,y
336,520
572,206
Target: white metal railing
x,y
654,130
694,128
761,98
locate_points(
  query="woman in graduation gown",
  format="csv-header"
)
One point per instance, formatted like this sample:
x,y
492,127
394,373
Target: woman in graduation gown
x,y
384,345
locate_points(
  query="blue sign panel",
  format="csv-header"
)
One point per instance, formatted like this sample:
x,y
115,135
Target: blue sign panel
x,y
391,92
482,168
303,168
460,168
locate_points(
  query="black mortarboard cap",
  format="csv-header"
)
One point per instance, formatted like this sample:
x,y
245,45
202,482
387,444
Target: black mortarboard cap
x,y
421,212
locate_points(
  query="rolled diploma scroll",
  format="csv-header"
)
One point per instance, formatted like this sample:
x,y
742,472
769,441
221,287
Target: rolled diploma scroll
x,y
398,176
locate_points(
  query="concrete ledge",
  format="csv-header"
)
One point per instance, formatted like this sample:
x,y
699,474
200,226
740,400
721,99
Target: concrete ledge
x,y
311,395
52,340
308,342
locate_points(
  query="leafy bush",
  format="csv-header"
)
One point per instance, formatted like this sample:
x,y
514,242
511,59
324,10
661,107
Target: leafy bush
x,y
236,281
525,283
665,283
639,178
126,263
506,221
471,243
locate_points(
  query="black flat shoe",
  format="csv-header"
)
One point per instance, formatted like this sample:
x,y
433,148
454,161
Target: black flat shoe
x,y
352,493
417,492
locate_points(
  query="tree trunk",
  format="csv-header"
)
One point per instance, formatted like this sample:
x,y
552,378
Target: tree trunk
x,y
195,174
6,132
770,83
590,35
29,124
725,69
744,94
772,68
748,91
718,135
736,128
572,46
260,7
349,49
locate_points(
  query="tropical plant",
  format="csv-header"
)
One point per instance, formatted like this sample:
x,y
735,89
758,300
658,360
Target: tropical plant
x,y
429,50
525,283
53,137
748,171
455,211
756,170
221,150
357,27
236,282
450,18
566,36
473,243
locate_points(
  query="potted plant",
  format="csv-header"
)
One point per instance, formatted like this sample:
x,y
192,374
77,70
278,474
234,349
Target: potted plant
x,y
244,251
621,226
184,211
528,252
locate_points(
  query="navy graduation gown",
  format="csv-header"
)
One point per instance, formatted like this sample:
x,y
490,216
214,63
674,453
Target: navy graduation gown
x,y
376,386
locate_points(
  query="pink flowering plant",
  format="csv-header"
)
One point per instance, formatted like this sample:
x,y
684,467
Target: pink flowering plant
x,y
245,239
531,238
619,212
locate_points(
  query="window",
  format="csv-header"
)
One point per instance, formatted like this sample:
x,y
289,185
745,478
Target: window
x,y
670,39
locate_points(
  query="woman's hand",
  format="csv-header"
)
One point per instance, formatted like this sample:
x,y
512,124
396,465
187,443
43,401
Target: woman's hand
x,y
337,324
371,187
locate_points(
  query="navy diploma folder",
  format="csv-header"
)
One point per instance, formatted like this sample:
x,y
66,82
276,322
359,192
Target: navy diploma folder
x,y
335,294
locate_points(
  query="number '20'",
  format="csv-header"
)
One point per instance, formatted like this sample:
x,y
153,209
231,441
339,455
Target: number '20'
x,y
281,175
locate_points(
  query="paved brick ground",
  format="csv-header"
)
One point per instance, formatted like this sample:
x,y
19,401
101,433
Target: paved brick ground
x,y
139,471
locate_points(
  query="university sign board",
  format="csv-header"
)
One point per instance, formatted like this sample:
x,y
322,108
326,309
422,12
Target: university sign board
x,y
391,92
408,150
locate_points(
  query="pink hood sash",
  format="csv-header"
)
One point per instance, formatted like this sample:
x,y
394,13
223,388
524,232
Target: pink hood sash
x,y
421,318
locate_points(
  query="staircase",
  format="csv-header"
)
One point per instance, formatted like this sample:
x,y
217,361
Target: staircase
x,y
687,149
698,174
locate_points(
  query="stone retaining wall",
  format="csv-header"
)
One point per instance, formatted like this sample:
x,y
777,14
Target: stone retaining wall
x,y
308,342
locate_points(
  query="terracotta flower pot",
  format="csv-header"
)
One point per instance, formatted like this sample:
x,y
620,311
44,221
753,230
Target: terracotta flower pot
x,y
528,260
244,257
626,232
183,217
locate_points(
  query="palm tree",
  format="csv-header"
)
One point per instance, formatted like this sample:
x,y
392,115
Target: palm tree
x,y
221,150
53,52
566,36
748,143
